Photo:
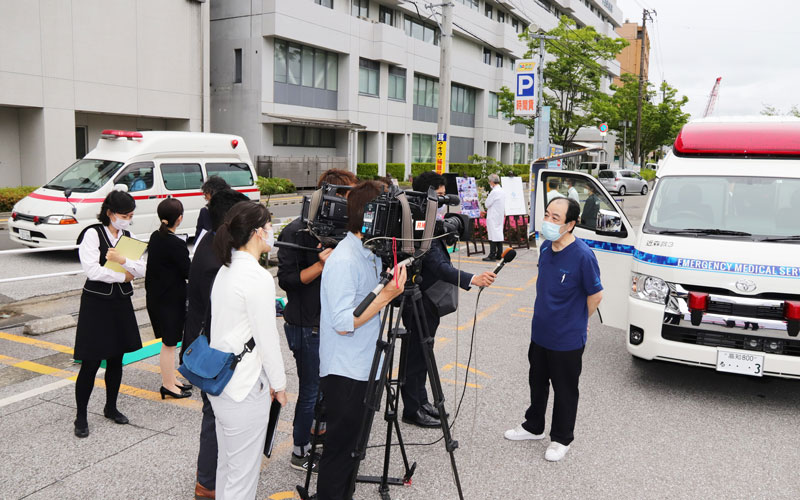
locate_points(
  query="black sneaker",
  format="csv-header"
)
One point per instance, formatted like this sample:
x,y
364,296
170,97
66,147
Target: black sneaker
x,y
301,463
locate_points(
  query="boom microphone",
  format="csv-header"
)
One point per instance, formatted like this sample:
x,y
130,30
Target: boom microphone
x,y
508,256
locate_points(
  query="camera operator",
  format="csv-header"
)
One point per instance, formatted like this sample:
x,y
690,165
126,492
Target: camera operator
x,y
347,343
299,276
436,266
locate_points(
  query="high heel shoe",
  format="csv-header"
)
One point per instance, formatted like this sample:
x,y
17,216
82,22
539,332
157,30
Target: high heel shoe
x,y
184,387
166,392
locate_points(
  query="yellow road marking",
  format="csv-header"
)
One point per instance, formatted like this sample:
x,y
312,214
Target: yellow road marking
x,y
283,495
528,310
37,367
453,382
450,366
515,288
526,316
35,342
484,314
443,340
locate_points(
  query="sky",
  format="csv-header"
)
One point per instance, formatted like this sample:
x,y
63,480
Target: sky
x,y
753,45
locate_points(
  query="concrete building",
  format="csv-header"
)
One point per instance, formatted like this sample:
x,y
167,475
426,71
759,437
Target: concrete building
x,y
68,70
312,84
630,57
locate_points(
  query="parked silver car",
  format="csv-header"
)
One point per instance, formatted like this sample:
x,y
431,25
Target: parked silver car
x,y
623,182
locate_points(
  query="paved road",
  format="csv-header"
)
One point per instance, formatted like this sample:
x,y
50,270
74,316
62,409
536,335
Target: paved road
x,y
645,429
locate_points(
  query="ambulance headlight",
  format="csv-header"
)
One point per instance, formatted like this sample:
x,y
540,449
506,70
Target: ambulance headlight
x,y
649,288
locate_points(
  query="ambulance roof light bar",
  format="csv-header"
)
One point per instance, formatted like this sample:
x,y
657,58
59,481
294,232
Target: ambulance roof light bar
x,y
746,138
116,134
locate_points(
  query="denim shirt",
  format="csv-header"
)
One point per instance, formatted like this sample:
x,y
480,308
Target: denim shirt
x,y
350,273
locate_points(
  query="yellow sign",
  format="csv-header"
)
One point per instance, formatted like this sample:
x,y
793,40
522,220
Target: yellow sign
x,y
441,152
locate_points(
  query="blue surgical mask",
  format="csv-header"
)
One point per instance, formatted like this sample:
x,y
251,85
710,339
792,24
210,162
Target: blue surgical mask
x,y
551,231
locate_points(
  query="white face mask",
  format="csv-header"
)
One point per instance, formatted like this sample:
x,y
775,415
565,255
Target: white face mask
x,y
120,224
270,239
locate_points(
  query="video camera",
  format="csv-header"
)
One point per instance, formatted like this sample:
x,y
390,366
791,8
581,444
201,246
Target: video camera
x,y
410,217
325,214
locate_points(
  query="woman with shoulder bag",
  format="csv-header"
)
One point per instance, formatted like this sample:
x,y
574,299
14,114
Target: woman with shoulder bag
x,y
107,326
243,308
167,271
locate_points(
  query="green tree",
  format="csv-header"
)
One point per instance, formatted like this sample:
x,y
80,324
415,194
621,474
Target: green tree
x,y
572,80
660,122
770,110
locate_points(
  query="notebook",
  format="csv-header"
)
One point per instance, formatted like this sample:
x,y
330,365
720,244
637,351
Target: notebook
x,y
131,248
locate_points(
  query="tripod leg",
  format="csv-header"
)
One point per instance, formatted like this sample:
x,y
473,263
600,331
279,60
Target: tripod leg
x,y
436,385
317,419
372,399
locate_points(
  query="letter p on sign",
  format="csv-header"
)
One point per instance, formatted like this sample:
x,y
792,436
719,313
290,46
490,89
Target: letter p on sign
x,y
525,85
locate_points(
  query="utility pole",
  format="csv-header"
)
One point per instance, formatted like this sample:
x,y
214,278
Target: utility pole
x,y
646,14
624,124
445,52
538,150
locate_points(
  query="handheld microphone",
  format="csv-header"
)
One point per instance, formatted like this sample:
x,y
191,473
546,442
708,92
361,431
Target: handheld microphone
x,y
508,256
386,277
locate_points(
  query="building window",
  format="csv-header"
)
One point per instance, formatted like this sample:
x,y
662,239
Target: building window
x,y
511,63
397,83
422,148
81,142
237,63
515,24
487,56
462,99
472,4
420,31
426,91
360,8
494,105
368,74
501,16
386,15
489,11
307,66
499,60
325,3
310,137
519,153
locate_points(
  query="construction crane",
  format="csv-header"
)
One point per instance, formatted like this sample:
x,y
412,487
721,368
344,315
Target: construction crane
x,y
712,99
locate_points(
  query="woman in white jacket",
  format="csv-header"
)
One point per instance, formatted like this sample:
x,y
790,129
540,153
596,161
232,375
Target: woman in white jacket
x,y
243,307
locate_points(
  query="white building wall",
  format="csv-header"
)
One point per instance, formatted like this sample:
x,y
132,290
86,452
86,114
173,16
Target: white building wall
x,y
135,58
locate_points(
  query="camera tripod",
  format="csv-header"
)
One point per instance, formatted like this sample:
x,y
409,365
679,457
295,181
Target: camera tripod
x,y
412,296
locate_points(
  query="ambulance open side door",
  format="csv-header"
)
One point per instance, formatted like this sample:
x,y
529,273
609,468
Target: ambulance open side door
x,y
603,226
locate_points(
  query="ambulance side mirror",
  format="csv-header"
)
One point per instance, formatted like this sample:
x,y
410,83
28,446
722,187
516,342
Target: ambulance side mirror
x,y
609,223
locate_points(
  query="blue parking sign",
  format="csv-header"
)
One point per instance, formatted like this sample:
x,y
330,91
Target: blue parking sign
x,y
525,85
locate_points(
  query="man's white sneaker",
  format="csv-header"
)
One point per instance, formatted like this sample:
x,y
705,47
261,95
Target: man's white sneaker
x,y
520,434
555,452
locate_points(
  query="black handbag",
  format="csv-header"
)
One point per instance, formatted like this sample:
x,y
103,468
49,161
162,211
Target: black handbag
x,y
443,296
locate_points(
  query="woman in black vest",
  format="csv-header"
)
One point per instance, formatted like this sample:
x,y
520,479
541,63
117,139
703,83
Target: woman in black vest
x,y
165,282
107,326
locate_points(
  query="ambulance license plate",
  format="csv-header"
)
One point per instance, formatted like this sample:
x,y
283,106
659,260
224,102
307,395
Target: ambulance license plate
x,y
24,234
743,363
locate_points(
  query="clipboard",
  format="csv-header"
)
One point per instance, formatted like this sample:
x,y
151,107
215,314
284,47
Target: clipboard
x,y
274,413
131,248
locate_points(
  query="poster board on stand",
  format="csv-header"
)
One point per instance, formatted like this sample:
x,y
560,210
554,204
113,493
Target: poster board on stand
x,y
515,195
468,194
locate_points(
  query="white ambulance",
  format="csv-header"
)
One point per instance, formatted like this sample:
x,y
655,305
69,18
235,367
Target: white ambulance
x,y
151,166
711,277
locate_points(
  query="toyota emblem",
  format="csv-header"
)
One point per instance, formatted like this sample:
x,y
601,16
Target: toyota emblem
x,y
746,286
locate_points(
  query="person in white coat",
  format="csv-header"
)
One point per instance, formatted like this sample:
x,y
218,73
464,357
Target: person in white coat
x,y
243,308
495,217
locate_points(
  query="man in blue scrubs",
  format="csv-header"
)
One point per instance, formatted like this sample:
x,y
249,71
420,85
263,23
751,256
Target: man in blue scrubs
x,y
568,291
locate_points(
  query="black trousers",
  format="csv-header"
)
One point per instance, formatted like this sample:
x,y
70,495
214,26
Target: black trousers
x,y
344,409
496,249
207,456
563,370
416,371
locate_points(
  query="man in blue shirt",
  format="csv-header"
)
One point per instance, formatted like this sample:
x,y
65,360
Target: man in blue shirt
x,y
347,342
568,291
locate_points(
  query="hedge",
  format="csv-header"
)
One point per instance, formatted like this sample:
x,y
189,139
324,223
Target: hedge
x,y
10,196
367,171
472,169
647,174
396,170
275,185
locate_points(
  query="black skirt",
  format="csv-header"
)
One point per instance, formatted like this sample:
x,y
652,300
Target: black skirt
x,y
107,326
167,315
